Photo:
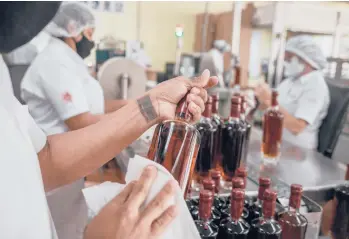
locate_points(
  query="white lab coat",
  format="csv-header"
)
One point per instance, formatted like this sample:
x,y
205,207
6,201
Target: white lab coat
x,y
23,205
56,87
306,98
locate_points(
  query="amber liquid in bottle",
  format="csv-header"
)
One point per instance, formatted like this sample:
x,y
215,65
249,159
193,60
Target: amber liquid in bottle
x,y
233,135
266,227
205,158
293,224
272,131
234,227
217,121
207,229
175,145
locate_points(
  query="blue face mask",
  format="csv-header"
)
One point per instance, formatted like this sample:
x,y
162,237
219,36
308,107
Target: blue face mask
x,y
293,68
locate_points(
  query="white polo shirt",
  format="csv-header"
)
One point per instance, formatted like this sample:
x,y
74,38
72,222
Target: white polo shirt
x,y
24,211
306,98
56,87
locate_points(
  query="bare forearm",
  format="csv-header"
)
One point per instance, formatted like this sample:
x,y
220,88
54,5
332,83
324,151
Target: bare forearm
x,y
293,124
72,155
114,105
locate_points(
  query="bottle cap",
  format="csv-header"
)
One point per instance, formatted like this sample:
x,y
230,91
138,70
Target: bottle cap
x,y
238,183
235,100
215,97
209,184
216,176
237,203
208,108
296,196
274,96
264,183
205,204
269,203
241,172
215,100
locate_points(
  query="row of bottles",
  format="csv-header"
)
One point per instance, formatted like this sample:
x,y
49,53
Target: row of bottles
x,y
238,217
224,143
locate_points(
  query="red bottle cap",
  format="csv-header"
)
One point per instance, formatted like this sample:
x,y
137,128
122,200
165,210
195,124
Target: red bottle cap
x,y
235,107
216,176
238,183
296,196
205,204
215,101
274,98
264,183
209,184
243,104
237,203
242,173
208,108
269,203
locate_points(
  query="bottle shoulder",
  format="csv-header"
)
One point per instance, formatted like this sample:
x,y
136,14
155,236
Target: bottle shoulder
x,y
206,229
293,218
266,226
235,227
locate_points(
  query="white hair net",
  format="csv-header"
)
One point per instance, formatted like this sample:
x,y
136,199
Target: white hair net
x,y
304,47
221,45
71,19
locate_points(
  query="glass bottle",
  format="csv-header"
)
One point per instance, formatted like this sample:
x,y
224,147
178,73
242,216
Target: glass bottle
x,y
248,129
242,173
218,122
175,145
293,224
209,184
234,227
255,210
340,225
207,229
216,177
205,156
233,135
237,183
266,227
272,131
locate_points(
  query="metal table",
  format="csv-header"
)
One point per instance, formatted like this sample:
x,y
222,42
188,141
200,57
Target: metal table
x,y
309,168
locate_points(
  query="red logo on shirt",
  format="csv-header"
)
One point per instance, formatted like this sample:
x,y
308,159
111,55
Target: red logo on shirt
x,y
67,97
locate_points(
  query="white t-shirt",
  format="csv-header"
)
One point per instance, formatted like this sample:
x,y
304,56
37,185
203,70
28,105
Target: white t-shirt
x,y
306,98
23,207
56,87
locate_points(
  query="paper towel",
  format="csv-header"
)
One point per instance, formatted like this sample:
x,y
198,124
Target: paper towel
x,y
183,227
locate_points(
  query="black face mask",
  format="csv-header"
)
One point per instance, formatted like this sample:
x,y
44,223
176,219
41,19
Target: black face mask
x,y
22,21
84,47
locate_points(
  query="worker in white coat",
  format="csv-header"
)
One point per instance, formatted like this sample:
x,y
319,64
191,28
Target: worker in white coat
x,y
62,95
33,163
303,96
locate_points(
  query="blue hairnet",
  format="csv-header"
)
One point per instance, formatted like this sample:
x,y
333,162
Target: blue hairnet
x,y
304,47
71,19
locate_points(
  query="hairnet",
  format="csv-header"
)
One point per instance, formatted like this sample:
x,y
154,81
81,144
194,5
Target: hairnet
x,y
71,19
304,47
221,45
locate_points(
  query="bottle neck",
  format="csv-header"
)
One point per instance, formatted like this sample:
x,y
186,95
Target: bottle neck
x,y
215,107
261,191
236,209
295,201
182,112
208,111
205,208
274,100
269,209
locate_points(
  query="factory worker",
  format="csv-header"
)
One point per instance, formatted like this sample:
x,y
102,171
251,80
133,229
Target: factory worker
x,y
214,59
43,163
303,96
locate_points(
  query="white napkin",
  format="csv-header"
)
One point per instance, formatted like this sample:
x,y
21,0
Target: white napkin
x,y
183,227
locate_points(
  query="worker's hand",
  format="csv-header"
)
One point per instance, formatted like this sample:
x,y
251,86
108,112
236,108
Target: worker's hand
x,y
123,218
263,94
167,95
